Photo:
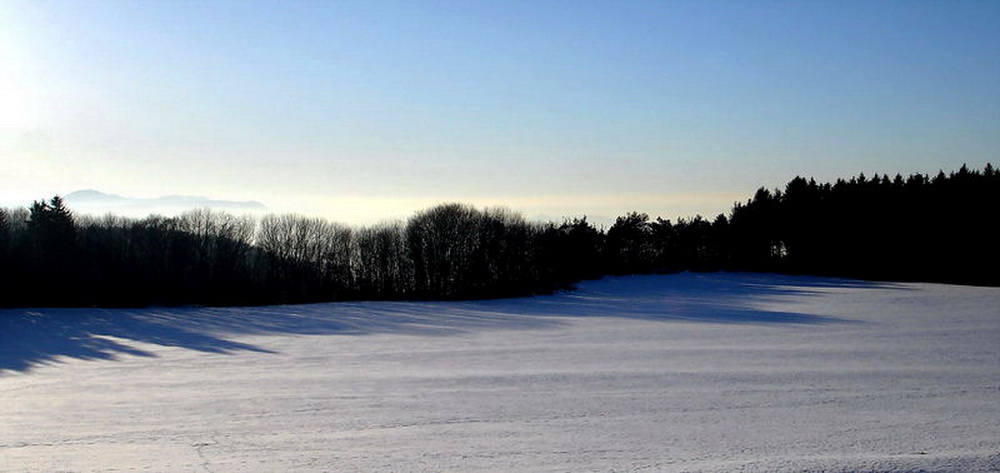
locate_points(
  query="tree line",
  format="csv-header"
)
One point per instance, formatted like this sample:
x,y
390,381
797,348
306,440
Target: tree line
x,y
915,228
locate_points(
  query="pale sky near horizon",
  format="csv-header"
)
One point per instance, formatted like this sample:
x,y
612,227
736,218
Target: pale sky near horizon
x,y
371,110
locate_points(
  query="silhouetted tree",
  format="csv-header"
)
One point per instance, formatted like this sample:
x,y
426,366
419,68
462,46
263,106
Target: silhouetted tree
x,y
570,252
628,247
53,252
382,266
459,251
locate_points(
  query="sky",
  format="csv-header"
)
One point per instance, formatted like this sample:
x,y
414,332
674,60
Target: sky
x,y
367,111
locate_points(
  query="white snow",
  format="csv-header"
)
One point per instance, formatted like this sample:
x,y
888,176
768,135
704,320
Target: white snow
x,y
687,372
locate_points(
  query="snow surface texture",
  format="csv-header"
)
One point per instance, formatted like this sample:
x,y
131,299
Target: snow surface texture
x,y
708,372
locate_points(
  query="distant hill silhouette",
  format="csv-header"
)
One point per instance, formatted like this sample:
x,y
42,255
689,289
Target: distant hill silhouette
x,y
93,201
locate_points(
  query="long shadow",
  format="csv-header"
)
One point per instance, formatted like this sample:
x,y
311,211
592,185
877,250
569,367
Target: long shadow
x,y
32,337
712,298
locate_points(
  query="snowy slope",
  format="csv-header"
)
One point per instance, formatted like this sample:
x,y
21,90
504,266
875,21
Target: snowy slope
x,y
718,372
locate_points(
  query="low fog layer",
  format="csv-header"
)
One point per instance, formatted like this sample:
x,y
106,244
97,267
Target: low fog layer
x,y
99,203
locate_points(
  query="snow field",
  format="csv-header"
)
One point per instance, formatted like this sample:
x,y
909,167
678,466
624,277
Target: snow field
x,y
686,372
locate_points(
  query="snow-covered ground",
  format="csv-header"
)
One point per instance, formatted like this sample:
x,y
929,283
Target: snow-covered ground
x,y
688,372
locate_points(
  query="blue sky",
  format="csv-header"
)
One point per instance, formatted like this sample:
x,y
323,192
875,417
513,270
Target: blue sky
x,y
363,111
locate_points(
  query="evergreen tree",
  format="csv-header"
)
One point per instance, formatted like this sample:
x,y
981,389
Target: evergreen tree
x,y
629,246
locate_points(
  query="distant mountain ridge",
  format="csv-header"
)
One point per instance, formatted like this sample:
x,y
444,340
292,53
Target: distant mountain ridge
x,y
92,198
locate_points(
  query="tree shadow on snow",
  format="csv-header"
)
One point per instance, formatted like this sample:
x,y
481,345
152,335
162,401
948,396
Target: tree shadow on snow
x,y
31,337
